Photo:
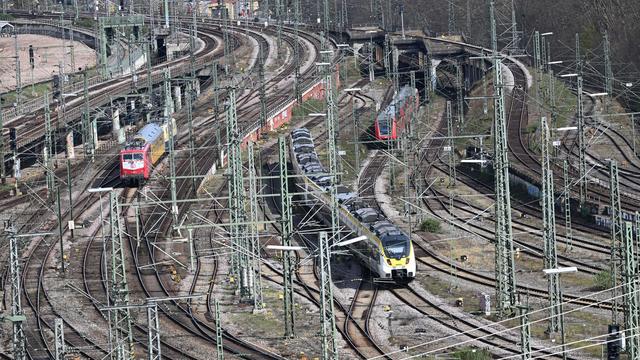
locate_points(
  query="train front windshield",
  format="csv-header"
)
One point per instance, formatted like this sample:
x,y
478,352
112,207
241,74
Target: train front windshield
x,y
396,247
132,157
384,123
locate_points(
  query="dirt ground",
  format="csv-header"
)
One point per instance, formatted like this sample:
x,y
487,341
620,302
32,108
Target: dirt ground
x,y
48,54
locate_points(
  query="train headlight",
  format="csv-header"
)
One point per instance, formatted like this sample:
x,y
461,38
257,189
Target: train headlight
x,y
389,262
407,261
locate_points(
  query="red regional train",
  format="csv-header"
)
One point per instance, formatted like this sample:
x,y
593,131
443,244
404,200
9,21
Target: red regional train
x,y
390,122
142,152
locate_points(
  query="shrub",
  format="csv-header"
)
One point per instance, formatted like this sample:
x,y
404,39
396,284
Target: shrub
x,y
603,280
473,354
430,225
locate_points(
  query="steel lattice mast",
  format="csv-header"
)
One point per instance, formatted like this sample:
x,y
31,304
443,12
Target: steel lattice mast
x,y
617,234
296,48
582,148
286,228
236,199
332,151
48,149
122,337
17,317
567,204
328,322
549,228
608,73
219,344
58,333
153,339
255,261
630,276
504,262
452,163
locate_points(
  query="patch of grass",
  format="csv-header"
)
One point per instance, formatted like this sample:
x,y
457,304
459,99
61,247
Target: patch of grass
x,y
308,107
28,92
6,17
473,354
430,225
88,23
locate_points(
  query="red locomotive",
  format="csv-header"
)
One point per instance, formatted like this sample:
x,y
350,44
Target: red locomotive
x,y
140,154
390,122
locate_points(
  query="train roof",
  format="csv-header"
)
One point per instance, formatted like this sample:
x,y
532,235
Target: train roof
x,y
148,134
405,92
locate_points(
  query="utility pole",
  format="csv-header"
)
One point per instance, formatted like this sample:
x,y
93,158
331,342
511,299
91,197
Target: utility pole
x,y
327,318
153,339
17,317
122,336
630,276
452,161
617,234
549,228
567,205
58,330
255,262
504,262
286,230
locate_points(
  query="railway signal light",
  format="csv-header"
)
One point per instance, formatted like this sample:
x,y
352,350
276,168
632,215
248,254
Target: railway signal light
x,y
613,342
13,137
56,87
31,57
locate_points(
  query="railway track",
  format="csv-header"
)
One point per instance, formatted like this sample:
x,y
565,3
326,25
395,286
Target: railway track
x,y
35,271
155,285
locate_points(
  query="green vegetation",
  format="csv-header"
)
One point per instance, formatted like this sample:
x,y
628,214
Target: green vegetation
x,y
6,17
87,23
308,107
473,354
28,92
603,280
430,225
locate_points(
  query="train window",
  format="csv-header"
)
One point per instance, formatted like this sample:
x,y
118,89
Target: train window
x,y
132,157
396,246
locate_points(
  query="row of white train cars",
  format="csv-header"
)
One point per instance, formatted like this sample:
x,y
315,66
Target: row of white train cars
x,y
387,251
